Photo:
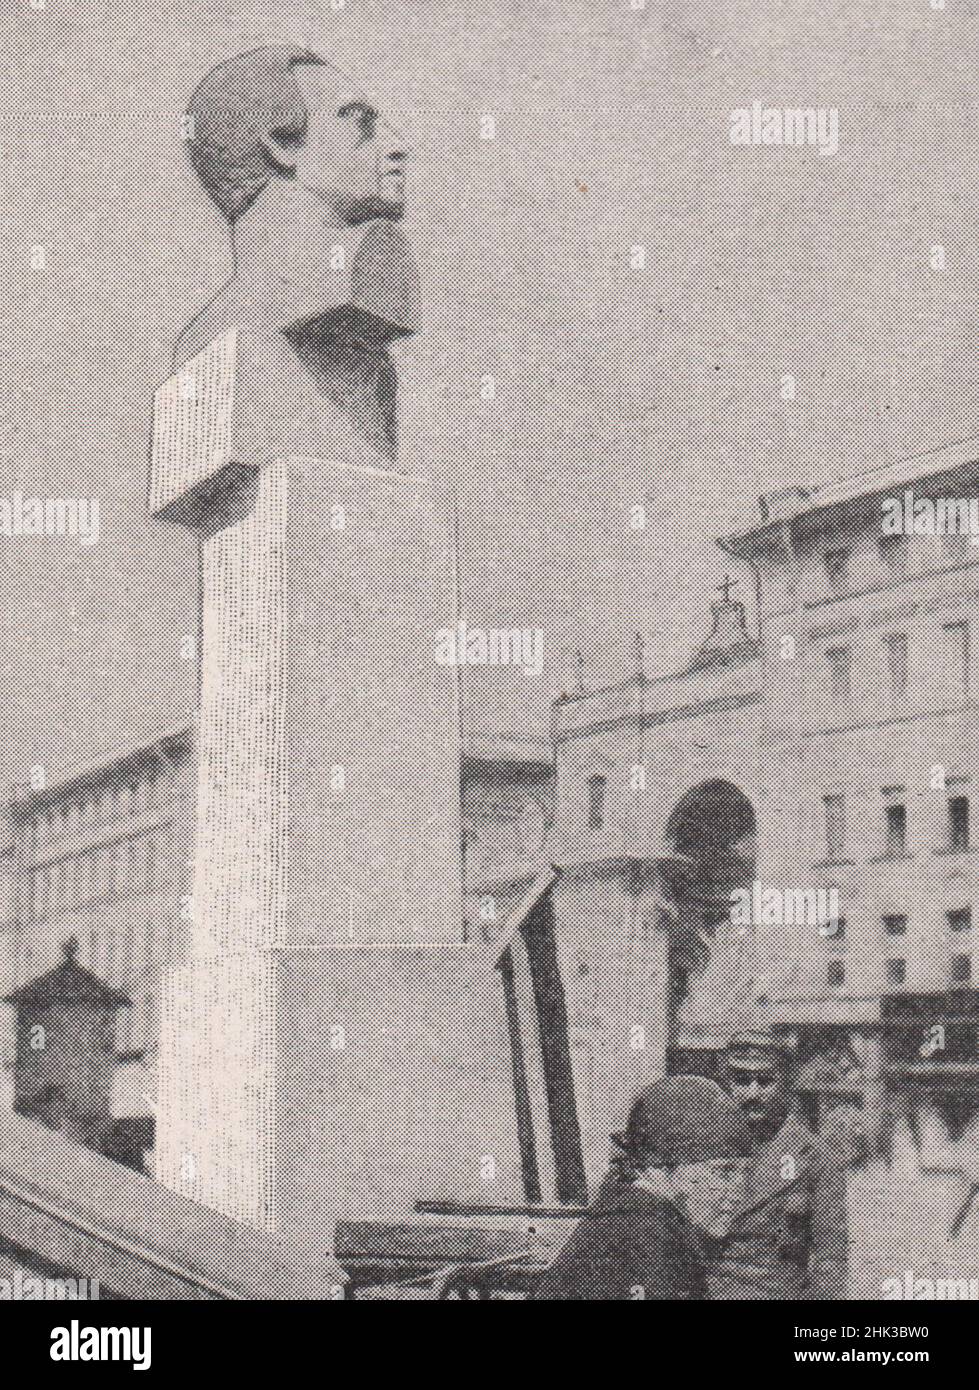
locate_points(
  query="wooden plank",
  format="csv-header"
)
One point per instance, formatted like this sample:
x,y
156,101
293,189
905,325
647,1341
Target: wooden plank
x,y
541,885
96,1219
526,1139
533,1057
424,1243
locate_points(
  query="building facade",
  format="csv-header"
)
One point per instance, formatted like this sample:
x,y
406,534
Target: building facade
x,y
101,855
824,773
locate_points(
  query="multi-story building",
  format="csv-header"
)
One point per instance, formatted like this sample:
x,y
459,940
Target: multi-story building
x,y
101,855
868,740
832,759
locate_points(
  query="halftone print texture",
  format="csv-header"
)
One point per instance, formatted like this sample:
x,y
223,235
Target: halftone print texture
x,y
489,574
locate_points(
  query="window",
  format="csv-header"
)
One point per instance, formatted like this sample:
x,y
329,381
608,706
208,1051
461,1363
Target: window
x,y
960,970
896,652
895,831
105,871
896,972
895,925
960,919
894,553
58,883
837,565
958,822
839,661
135,865
955,661
531,827
596,802
835,809
42,892
86,877
835,973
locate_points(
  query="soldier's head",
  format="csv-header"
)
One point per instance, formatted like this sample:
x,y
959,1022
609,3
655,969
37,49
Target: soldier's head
x,y
756,1073
283,115
686,1141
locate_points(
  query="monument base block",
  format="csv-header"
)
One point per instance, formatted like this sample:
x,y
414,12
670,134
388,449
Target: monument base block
x,y
331,1046
307,1085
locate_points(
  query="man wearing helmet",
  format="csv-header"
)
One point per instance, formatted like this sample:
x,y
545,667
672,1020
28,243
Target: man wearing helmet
x,y
662,1209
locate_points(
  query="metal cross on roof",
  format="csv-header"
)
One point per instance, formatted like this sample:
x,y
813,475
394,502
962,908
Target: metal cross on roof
x,y
725,588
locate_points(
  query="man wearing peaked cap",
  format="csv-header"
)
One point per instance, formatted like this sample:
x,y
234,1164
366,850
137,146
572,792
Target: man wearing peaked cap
x,y
788,1239
759,1042
663,1207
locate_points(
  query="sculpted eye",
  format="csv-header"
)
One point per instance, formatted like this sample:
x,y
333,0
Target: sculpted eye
x,y
364,116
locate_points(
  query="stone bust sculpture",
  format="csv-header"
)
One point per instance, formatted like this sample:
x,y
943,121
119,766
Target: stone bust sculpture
x,y
311,181
278,127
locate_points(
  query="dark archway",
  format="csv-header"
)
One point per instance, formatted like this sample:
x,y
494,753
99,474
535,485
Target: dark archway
x,y
712,827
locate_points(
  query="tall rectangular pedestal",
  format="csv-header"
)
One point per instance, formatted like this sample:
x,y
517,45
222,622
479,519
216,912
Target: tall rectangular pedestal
x,y
328,796
331,1046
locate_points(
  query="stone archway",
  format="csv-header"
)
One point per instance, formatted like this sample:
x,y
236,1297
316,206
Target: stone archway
x,y
712,829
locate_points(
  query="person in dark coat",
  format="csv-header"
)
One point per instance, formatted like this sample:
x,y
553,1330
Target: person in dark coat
x,y
659,1213
788,1240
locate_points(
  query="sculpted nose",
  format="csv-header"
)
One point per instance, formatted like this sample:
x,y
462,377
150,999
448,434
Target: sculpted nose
x,y
394,146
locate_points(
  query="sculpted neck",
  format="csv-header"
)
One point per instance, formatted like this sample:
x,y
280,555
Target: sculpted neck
x,y
285,238
300,270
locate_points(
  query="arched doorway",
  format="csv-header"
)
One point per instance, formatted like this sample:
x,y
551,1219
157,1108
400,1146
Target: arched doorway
x,y
712,828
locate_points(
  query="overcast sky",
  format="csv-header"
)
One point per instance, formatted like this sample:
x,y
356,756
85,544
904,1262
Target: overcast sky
x,y
615,385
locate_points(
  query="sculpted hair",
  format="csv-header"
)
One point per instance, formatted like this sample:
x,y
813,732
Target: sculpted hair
x,y
240,104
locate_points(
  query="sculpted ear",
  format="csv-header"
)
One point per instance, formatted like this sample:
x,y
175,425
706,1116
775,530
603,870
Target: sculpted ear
x,y
279,152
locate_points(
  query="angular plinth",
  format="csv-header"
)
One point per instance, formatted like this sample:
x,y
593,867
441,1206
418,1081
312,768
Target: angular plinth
x,y
331,1046
250,398
348,1082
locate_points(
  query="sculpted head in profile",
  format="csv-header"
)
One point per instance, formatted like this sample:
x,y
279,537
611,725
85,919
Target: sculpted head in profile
x,y
311,181
280,125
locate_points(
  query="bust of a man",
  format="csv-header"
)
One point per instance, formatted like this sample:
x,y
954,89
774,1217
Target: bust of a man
x,y
311,181
279,132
